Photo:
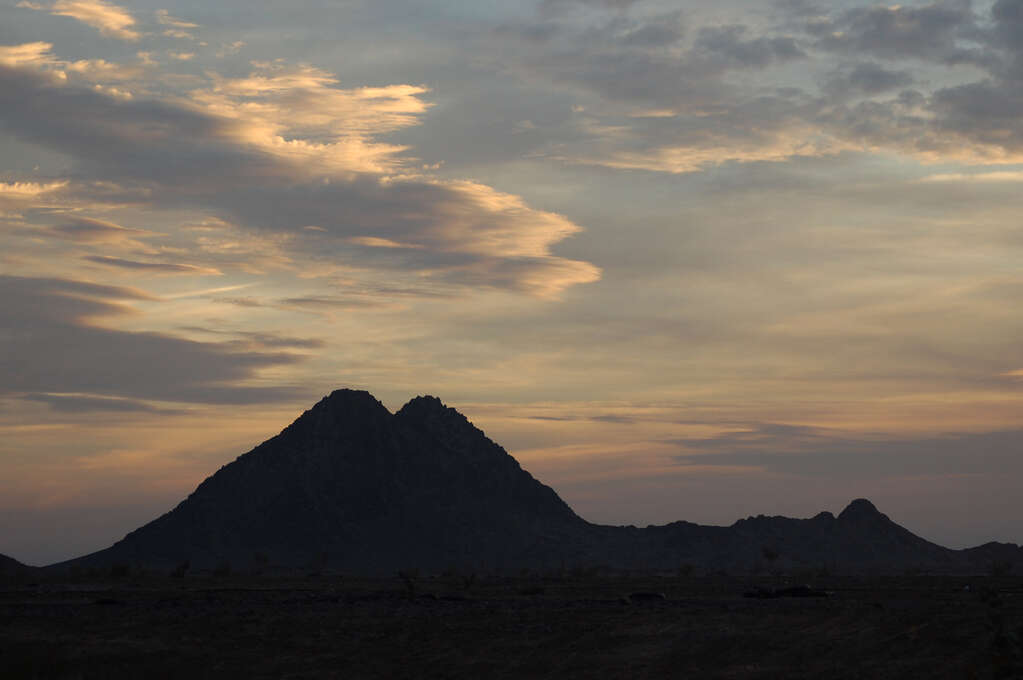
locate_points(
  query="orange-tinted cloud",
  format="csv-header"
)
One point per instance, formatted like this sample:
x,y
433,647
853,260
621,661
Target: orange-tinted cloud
x,y
106,17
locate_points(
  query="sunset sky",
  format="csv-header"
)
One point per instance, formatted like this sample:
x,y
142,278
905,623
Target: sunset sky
x,y
683,259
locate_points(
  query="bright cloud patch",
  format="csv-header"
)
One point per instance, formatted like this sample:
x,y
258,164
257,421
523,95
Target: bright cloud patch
x,y
109,19
26,54
18,196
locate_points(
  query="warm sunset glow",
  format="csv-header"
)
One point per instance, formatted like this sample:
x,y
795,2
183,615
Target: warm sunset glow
x,y
684,260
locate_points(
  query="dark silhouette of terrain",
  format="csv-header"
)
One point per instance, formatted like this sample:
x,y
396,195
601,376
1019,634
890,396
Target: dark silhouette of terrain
x,y
351,486
9,565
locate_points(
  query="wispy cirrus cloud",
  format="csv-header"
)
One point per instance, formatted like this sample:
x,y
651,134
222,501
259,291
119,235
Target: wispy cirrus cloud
x,y
174,27
92,230
78,403
154,267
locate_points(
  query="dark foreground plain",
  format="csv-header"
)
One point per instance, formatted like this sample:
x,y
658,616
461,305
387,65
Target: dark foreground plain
x,y
567,624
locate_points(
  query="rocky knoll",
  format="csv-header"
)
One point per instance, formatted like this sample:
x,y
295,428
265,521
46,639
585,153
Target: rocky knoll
x,y
350,485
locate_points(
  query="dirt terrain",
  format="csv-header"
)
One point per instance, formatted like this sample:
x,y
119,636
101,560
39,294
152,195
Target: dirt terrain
x,y
555,625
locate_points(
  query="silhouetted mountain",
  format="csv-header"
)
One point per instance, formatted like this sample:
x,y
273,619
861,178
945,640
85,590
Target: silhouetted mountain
x,y
9,565
350,485
353,485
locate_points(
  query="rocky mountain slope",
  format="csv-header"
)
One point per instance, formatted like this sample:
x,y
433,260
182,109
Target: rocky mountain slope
x,y
9,565
350,485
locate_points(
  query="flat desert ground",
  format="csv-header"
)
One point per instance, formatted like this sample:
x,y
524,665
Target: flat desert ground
x,y
569,624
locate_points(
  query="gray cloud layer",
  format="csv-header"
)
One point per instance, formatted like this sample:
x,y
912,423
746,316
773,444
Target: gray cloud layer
x,y
815,452
936,80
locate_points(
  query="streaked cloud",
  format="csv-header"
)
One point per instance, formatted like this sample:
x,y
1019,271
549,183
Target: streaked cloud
x,y
94,230
813,452
164,17
954,177
53,343
157,267
76,403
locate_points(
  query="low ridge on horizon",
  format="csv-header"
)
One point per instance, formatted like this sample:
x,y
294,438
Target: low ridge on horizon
x,y
352,486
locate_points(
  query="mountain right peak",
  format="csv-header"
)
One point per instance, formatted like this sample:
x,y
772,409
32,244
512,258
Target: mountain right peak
x,y
424,404
431,410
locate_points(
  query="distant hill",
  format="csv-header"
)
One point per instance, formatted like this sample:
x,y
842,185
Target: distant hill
x,y
350,485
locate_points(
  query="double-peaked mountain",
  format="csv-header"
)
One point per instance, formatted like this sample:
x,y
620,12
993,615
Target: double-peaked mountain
x,y
352,486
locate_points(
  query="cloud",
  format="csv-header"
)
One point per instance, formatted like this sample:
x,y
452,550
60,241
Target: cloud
x,y
163,17
106,17
728,47
77,403
155,267
27,54
672,107
317,303
51,343
231,48
19,196
714,112
263,339
989,114
92,230
1005,176
866,78
817,452
283,149
549,6
937,32
39,55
